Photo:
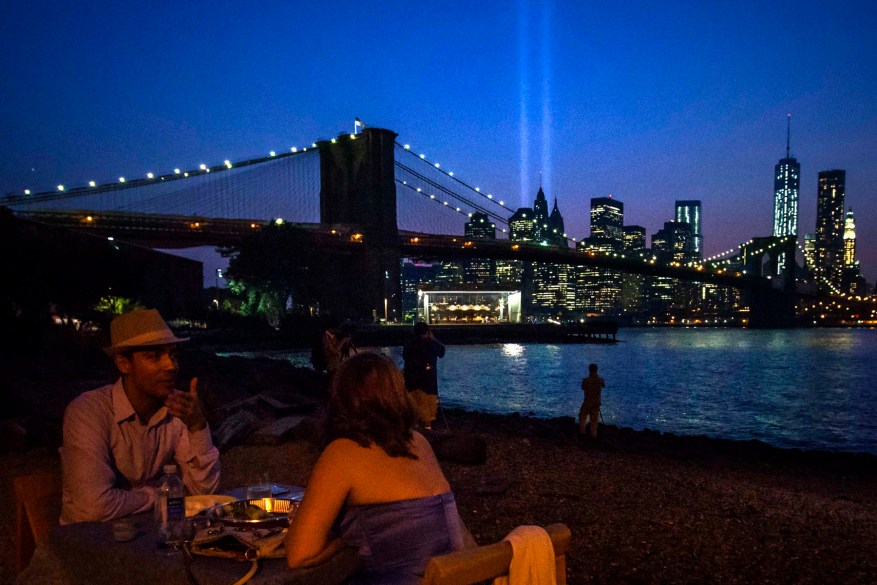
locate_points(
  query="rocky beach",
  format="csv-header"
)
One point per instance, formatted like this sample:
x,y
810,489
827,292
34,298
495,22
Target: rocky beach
x,y
643,507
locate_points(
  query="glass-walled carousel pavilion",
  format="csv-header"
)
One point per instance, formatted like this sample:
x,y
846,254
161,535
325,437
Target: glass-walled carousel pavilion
x,y
460,306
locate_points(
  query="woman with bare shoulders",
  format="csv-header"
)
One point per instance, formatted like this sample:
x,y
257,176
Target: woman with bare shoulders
x,y
378,482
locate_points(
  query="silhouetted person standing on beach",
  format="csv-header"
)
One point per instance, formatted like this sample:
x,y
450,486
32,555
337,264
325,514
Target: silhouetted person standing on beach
x,y
592,386
421,378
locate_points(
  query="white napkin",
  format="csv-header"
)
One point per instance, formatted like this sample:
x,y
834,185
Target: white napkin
x,y
532,558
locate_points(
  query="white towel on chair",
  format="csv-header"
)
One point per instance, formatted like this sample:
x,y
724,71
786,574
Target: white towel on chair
x,y
532,558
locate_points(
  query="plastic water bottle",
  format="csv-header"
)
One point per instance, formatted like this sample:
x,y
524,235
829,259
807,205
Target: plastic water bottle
x,y
170,508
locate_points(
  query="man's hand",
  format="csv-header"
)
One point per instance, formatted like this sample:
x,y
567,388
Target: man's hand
x,y
184,406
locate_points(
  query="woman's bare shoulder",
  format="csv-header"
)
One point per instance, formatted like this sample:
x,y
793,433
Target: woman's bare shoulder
x,y
343,447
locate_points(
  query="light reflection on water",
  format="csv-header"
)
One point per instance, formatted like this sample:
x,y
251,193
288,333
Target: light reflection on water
x,y
804,388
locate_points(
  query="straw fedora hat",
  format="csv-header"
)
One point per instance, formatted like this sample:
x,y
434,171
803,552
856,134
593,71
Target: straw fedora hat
x,y
142,328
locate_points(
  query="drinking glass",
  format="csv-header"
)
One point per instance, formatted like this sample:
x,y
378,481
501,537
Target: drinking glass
x,y
259,487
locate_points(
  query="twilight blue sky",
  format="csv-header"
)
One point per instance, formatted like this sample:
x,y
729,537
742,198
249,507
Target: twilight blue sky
x,y
647,101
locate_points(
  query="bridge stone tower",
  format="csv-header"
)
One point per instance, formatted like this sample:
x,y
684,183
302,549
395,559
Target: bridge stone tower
x,y
772,306
358,192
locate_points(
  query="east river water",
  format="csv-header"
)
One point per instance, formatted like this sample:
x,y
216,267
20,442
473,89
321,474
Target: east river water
x,y
805,388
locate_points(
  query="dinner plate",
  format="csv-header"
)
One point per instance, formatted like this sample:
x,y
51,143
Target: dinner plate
x,y
256,513
197,504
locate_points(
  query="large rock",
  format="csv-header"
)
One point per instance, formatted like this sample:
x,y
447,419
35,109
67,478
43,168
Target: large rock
x,y
456,447
278,431
235,429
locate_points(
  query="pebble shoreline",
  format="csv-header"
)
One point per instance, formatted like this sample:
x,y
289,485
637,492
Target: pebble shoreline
x,y
643,507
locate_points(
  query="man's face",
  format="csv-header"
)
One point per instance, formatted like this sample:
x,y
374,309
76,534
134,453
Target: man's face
x,y
150,372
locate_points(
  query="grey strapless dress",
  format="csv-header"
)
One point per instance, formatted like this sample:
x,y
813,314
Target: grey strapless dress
x,y
397,539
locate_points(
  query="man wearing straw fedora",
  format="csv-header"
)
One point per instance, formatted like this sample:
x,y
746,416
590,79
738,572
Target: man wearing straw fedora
x,y
118,437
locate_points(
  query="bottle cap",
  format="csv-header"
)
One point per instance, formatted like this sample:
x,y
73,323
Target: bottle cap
x,y
169,468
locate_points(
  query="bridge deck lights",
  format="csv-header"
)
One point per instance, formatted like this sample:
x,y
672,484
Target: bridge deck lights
x,y
27,191
92,184
150,176
121,179
60,187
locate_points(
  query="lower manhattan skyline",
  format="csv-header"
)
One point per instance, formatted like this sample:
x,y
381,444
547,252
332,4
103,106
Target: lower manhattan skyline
x,y
649,103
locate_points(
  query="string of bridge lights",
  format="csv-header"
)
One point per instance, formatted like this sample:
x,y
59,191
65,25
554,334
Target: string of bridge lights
x,y
476,190
178,173
432,197
824,280
769,247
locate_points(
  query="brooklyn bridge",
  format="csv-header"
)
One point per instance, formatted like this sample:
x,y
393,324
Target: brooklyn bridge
x,y
367,201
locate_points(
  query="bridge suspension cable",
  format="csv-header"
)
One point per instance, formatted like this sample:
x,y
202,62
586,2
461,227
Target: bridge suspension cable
x,y
279,185
417,173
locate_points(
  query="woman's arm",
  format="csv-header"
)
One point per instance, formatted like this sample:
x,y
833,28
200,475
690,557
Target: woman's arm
x,y
327,490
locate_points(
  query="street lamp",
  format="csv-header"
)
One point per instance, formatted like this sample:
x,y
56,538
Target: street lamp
x,y
216,286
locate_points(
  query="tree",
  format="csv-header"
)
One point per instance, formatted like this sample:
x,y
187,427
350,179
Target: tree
x,y
275,271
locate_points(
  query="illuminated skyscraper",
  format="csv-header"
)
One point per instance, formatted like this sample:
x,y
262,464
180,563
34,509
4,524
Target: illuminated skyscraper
x,y
633,286
522,225
688,211
670,244
849,240
851,280
607,220
810,251
786,185
556,232
550,281
480,227
829,229
480,271
522,228
599,289
540,216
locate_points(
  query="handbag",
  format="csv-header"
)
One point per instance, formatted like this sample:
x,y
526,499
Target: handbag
x,y
240,544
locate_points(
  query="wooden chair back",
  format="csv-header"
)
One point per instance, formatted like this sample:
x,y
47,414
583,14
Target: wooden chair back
x,y
37,509
474,565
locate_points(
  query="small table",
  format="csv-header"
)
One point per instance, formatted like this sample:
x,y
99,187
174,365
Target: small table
x,y
86,553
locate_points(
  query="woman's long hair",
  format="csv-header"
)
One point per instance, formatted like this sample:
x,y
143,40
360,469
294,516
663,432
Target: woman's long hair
x,y
368,404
